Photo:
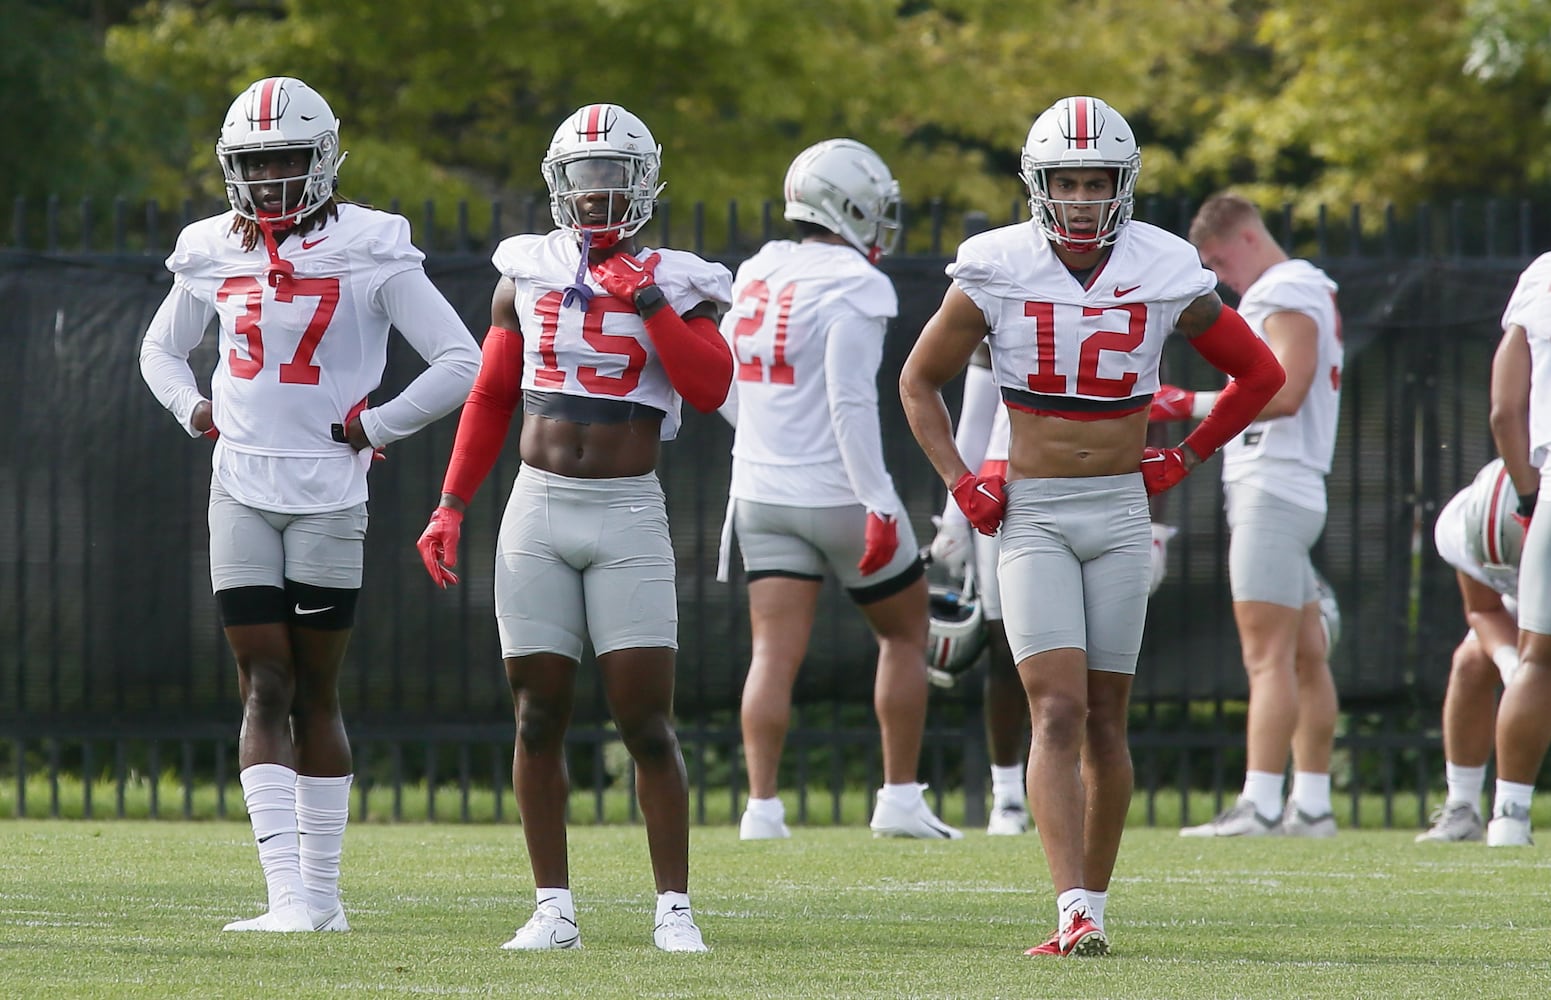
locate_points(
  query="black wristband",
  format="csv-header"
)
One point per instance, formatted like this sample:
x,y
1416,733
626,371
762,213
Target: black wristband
x,y
1527,503
337,432
649,298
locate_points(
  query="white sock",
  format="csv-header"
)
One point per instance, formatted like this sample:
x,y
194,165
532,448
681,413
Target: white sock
x,y
560,899
1311,793
1096,903
671,901
269,791
902,795
1465,783
322,810
1069,904
1511,793
772,808
1264,789
1007,784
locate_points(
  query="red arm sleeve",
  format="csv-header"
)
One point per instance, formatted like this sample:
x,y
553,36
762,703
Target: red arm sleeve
x,y
696,358
1233,349
487,415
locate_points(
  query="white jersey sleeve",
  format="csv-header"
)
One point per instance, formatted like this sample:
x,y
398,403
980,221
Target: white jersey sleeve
x,y
175,331
431,326
1062,345
1530,307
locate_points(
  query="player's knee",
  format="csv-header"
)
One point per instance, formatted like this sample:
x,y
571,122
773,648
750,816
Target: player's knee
x,y
271,688
650,738
1058,718
539,729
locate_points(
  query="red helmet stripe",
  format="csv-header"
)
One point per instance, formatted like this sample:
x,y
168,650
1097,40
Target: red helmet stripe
x,y
1494,527
267,101
1082,127
593,130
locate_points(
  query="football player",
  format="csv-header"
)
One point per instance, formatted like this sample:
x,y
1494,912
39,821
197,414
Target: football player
x,y
1521,426
597,339
304,287
1274,489
1479,536
809,492
1077,305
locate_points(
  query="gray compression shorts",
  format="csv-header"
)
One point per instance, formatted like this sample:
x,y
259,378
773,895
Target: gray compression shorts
x,y
780,540
1268,547
585,558
1075,565
261,548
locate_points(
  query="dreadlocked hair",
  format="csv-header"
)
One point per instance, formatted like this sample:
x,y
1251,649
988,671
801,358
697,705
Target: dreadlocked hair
x,y
249,230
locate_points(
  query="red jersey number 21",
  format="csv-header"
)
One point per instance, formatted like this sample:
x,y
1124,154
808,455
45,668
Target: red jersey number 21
x,y
299,370
749,341
1047,380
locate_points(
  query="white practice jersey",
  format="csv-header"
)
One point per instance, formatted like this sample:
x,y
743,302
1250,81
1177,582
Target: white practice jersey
x,y
603,351
1056,342
1290,456
1449,535
806,332
1001,436
1530,307
298,353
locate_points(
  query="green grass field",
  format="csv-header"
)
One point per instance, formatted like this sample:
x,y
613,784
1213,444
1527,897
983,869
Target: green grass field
x,y
128,909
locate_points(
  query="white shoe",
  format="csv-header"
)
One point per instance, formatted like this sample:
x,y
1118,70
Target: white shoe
x,y
1509,828
290,916
916,819
547,930
1008,820
1297,823
332,919
677,932
756,827
1453,821
1243,820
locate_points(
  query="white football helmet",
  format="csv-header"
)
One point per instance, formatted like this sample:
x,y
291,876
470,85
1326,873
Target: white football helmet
x,y
1493,536
1080,132
280,112
604,149
846,188
1329,611
956,633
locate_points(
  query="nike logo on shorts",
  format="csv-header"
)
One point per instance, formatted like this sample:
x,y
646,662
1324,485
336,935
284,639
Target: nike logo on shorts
x,y
312,611
1137,510
637,510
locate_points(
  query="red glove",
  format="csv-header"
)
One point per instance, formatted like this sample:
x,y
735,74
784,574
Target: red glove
x,y
983,499
341,432
214,433
1162,468
882,542
1171,402
624,277
438,545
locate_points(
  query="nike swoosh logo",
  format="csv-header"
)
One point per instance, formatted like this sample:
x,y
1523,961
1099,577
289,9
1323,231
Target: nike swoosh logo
x,y
632,265
1120,293
679,909
558,941
1136,510
309,244
636,510
981,489
272,836
312,611
1155,458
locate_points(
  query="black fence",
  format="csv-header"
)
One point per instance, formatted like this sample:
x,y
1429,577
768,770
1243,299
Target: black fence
x,y
111,658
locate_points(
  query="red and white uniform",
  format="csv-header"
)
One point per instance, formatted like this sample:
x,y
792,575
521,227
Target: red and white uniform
x,y
298,353
1290,456
806,332
1070,345
1530,307
604,351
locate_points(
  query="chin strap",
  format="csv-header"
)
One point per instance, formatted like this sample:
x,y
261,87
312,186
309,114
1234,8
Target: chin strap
x,y
278,266
577,292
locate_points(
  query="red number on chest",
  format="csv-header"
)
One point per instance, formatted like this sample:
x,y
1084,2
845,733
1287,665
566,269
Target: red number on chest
x,y
1048,380
299,370
549,374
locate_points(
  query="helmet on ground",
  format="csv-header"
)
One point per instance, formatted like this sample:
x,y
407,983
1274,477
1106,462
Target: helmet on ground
x,y
846,188
603,149
1329,611
1077,132
956,634
1493,536
280,113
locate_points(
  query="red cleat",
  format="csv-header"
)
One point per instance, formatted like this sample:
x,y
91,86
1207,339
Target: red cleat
x,y
1083,938
1051,947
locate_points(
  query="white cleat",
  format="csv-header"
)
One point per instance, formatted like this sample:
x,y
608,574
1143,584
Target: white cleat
x,y
1453,822
1297,823
1510,828
1008,820
1242,820
917,820
677,932
755,827
332,919
547,930
291,916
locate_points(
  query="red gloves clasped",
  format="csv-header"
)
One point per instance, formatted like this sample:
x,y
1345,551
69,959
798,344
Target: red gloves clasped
x,y
1162,468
